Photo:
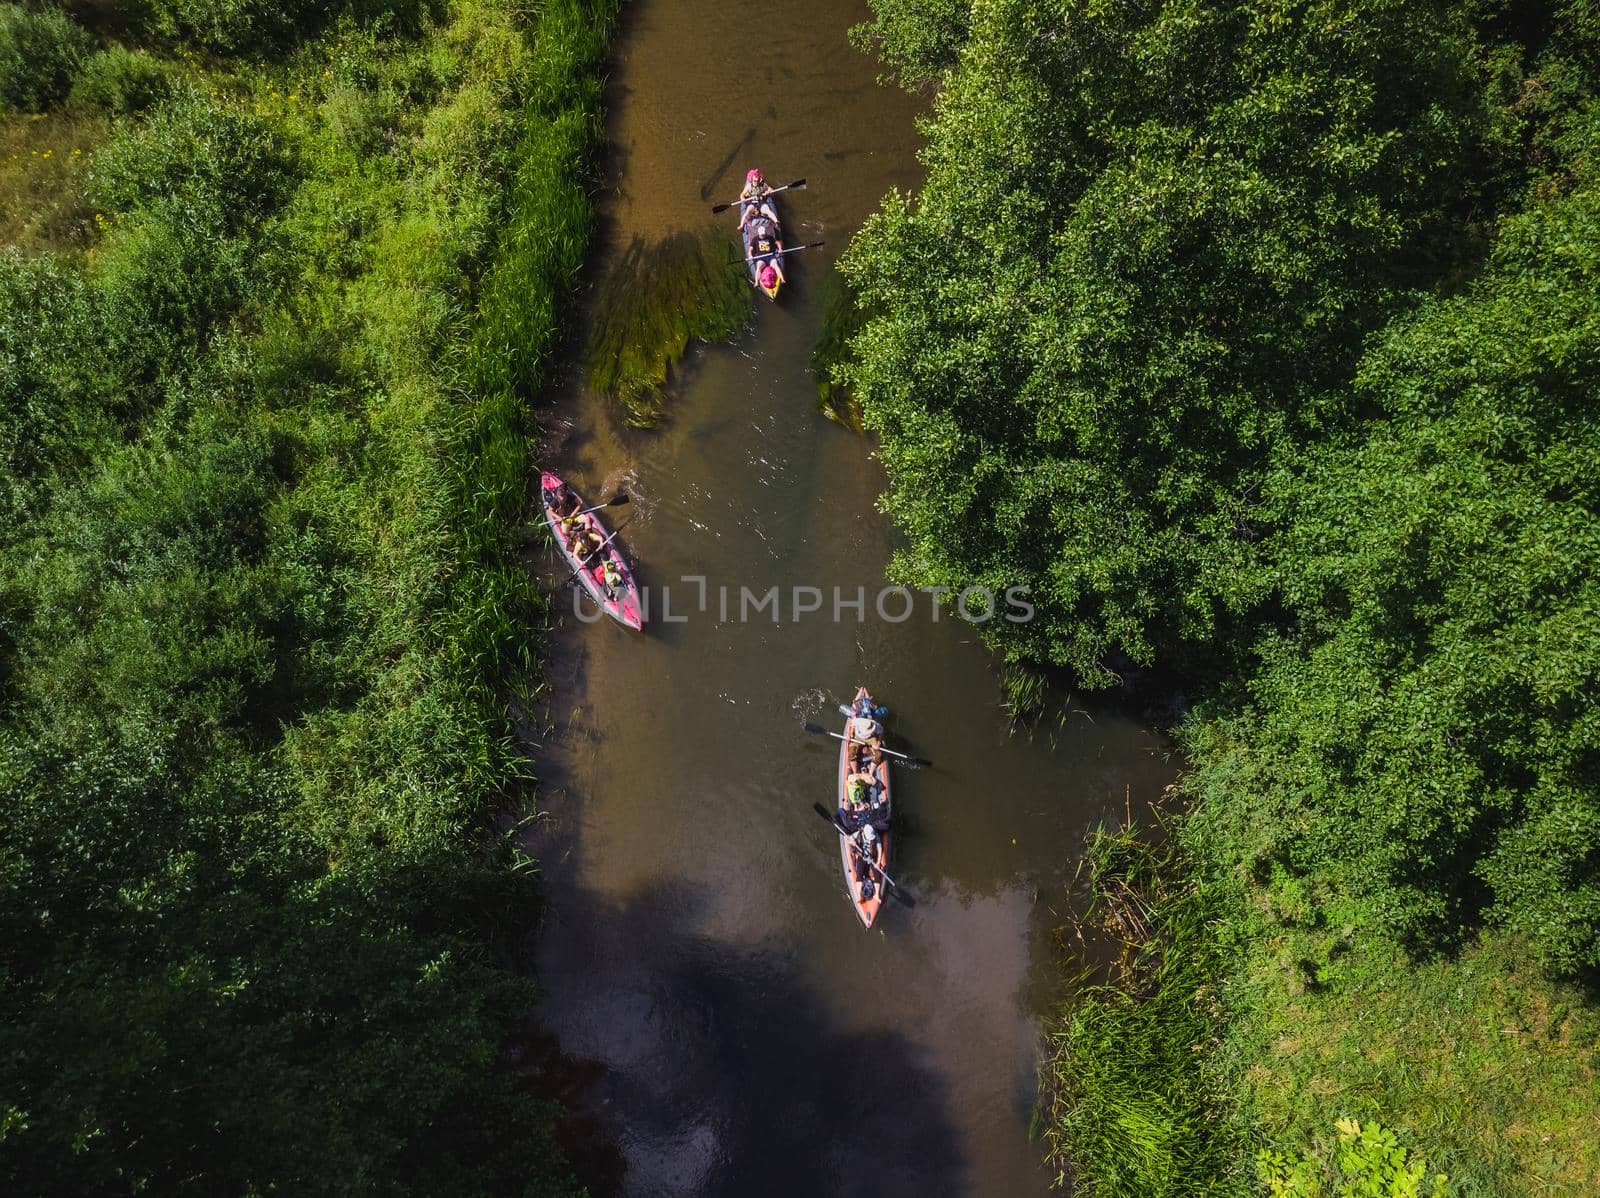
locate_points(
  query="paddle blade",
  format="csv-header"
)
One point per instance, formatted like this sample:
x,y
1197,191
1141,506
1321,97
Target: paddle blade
x,y
619,501
905,899
797,185
823,812
716,208
816,730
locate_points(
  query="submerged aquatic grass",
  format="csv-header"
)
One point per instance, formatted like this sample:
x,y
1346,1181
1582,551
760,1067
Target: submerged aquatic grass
x,y
842,318
687,287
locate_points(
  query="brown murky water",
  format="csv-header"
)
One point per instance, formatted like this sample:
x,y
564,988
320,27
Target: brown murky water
x,y
750,1037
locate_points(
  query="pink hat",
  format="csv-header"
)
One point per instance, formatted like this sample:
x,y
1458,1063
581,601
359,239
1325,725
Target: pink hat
x,y
769,275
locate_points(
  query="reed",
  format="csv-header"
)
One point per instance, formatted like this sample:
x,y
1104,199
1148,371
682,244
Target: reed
x,y
1130,1109
656,300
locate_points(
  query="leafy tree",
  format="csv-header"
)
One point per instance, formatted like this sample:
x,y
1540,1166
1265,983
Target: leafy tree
x,y
1199,330
1430,721
920,39
1150,247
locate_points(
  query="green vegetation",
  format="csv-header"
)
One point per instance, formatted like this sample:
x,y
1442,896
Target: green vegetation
x,y
41,51
262,424
842,318
1368,1162
1262,341
656,300
1132,1108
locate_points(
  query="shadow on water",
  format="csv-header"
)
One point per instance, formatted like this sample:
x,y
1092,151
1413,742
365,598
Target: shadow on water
x,y
732,1072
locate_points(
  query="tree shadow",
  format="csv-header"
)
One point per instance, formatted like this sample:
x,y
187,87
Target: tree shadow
x,y
723,1068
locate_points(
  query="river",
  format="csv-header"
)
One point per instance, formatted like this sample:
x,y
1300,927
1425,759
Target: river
x,y
744,1033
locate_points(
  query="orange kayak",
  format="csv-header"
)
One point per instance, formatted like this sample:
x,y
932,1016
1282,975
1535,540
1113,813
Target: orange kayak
x,y
866,909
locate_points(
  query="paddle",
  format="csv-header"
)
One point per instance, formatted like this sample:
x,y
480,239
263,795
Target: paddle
x,y
617,501
794,249
818,730
894,887
798,184
584,565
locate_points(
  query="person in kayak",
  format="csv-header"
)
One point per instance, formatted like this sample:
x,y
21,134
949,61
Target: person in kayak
x,y
754,198
865,843
867,735
765,243
586,540
568,505
876,812
856,789
610,577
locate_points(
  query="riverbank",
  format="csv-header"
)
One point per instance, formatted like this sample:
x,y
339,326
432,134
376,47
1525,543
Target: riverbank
x,y
269,349
1263,350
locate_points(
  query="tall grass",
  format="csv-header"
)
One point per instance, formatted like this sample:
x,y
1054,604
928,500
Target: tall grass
x,y
1130,1108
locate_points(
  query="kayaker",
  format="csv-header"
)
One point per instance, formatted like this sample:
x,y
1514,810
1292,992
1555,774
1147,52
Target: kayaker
x,y
568,505
877,814
586,540
755,188
769,277
866,854
610,577
857,787
867,733
766,247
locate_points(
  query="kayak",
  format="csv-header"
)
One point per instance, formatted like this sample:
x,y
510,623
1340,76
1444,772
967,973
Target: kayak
x,y
622,604
866,909
753,268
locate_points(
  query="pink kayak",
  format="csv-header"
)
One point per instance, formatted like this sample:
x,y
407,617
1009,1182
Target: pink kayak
x,y
620,602
866,908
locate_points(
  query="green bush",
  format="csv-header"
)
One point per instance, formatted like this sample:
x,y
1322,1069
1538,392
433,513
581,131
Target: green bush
x,y
120,81
210,162
1198,330
48,355
256,639
1367,1162
258,27
918,38
166,281
41,51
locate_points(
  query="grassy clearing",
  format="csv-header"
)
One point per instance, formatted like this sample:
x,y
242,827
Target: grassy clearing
x,y
1483,1064
656,300
44,161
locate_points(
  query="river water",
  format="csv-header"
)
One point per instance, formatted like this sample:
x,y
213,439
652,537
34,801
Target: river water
x,y
744,1034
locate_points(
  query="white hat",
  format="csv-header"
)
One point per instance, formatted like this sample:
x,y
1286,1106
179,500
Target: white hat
x,y
867,727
